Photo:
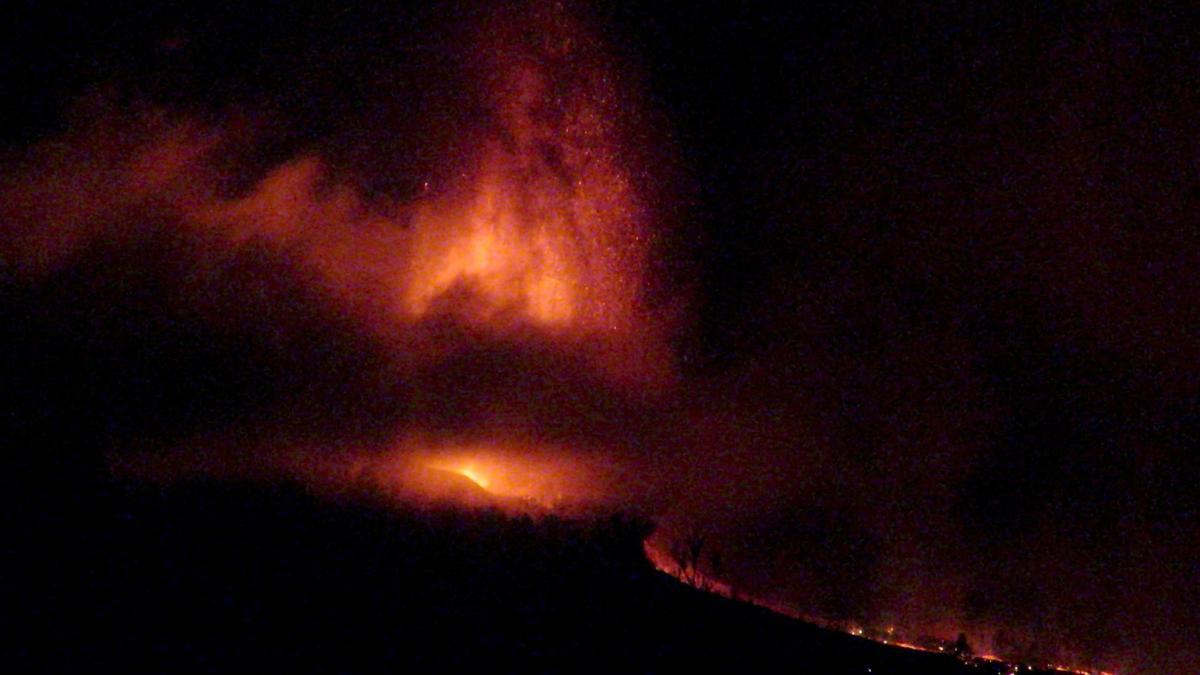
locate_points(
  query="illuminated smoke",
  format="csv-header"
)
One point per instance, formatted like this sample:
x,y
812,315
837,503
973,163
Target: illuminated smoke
x,y
541,234
510,293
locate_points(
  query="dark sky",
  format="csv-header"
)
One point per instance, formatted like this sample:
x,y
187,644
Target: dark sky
x,y
938,261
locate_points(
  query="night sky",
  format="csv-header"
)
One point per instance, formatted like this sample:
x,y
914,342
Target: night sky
x,y
925,274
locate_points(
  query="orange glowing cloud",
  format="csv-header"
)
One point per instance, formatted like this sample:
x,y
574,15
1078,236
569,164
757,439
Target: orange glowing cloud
x,y
548,229
531,255
543,231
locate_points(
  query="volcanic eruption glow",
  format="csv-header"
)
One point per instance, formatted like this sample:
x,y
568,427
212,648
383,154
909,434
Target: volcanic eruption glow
x,y
470,472
531,242
511,293
527,346
514,474
545,227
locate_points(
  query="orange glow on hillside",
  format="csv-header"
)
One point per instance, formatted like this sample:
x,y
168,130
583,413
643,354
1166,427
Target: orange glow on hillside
x,y
474,475
658,549
507,475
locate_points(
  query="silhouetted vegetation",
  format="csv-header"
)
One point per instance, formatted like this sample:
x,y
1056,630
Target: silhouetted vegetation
x,y
962,648
686,553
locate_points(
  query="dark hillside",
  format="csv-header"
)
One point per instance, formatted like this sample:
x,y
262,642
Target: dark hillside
x,y
220,577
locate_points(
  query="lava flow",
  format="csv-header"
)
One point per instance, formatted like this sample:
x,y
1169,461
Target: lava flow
x,y
473,474
681,558
506,475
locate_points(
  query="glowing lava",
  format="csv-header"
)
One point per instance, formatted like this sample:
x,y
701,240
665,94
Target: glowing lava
x,y
670,556
511,474
474,476
547,228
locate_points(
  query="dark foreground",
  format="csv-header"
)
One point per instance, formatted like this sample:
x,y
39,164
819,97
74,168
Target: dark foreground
x,y
211,577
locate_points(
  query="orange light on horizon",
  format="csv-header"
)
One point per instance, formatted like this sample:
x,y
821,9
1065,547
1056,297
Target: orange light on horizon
x,y
514,474
474,476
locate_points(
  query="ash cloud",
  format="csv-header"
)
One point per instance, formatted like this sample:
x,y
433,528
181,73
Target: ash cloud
x,y
197,252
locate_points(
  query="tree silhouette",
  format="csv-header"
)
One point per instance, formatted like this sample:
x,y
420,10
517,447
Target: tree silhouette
x,y
686,553
962,648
